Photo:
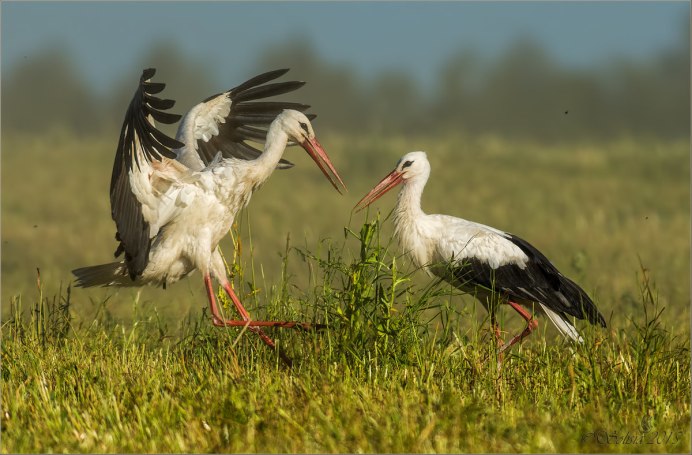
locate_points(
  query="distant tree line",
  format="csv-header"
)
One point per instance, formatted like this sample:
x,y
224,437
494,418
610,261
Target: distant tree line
x,y
522,94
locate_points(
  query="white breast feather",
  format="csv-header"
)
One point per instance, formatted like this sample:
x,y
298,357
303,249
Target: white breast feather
x,y
188,211
185,197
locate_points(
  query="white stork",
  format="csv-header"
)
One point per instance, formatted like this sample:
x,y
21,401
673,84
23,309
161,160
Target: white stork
x,y
495,266
173,200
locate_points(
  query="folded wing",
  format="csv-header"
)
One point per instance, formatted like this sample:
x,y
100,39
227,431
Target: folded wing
x,y
494,260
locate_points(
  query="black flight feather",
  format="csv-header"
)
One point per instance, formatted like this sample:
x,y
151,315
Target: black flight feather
x,y
249,119
539,281
138,133
582,305
265,91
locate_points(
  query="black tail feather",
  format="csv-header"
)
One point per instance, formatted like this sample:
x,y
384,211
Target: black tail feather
x,y
111,274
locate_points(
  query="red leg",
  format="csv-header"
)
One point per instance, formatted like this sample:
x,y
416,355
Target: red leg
x,y
219,321
531,325
496,329
498,336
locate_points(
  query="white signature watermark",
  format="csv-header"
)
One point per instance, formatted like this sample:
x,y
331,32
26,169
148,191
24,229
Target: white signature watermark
x,y
645,435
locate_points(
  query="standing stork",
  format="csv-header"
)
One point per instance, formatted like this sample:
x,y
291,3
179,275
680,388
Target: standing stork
x,y
173,200
496,266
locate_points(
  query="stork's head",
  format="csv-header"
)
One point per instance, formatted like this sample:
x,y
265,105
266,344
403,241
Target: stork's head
x,y
412,167
299,130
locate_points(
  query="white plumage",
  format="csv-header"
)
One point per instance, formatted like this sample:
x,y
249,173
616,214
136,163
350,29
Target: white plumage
x,y
200,122
495,266
174,200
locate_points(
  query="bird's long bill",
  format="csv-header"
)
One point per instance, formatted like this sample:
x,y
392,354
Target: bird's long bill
x,y
390,181
320,157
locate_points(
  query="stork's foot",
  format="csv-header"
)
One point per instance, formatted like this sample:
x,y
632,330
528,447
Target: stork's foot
x,y
309,326
282,324
247,322
531,325
255,327
218,322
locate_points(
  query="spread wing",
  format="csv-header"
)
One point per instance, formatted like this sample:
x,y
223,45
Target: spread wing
x,y
140,144
233,122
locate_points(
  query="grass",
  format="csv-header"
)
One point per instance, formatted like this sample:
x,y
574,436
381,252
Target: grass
x,y
616,202
380,379
407,364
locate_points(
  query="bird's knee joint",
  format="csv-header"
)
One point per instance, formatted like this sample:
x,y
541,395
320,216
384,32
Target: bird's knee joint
x,y
532,324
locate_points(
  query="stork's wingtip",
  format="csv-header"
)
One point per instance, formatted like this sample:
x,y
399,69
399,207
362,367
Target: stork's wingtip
x,y
282,166
274,74
148,73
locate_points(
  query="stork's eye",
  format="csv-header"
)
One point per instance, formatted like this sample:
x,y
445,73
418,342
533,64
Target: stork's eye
x,y
406,164
304,126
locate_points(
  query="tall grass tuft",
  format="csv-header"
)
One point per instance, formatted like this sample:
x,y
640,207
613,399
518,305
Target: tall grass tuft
x,y
49,319
372,308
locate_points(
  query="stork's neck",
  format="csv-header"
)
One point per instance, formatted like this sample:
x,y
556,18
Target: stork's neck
x,y
408,209
248,176
410,225
274,148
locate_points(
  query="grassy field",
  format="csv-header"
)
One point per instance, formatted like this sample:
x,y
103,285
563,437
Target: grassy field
x,y
407,364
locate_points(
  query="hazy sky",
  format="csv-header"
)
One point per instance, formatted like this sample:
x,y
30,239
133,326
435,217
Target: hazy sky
x,y
415,37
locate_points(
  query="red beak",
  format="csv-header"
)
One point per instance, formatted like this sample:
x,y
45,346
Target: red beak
x,y
320,157
390,181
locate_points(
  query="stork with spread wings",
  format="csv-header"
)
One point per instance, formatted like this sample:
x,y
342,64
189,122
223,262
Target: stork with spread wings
x,y
173,200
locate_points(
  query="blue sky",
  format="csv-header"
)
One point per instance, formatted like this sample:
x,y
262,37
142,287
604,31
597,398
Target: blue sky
x,y
414,37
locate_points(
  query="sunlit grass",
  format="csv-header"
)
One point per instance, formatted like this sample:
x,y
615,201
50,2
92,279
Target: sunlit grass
x,y
381,378
407,363
593,208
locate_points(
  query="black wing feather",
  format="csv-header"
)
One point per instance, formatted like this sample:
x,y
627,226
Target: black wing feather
x,y
248,119
252,133
261,79
538,281
126,210
158,103
581,304
241,150
265,91
152,88
269,107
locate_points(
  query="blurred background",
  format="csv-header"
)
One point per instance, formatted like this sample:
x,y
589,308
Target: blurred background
x,y
567,123
502,67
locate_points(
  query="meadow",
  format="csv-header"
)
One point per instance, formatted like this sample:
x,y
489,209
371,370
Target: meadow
x,y
407,364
